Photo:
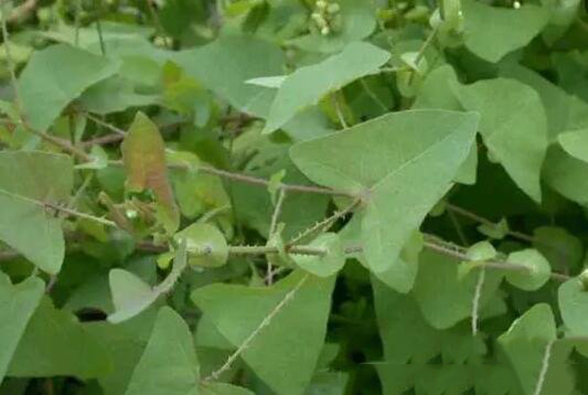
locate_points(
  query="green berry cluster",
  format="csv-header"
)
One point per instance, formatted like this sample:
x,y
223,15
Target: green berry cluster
x,y
326,17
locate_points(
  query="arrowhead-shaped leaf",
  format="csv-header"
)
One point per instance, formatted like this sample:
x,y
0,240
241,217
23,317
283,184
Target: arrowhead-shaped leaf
x,y
390,161
143,152
27,179
54,77
514,128
169,364
18,305
56,344
307,85
492,32
285,352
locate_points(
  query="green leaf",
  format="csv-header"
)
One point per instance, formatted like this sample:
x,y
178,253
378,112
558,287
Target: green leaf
x,y
514,128
526,341
575,143
307,85
114,94
27,180
388,160
359,21
573,305
497,231
143,152
168,364
205,244
223,389
492,32
444,295
402,274
54,77
56,344
225,65
18,305
323,265
563,250
130,295
285,352
437,92
566,175
538,271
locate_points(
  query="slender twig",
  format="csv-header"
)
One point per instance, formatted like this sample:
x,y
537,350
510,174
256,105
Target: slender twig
x,y
324,224
265,322
458,227
107,125
59,208
475,217
100,37
262,250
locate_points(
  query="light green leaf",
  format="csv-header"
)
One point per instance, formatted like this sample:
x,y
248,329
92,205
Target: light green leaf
x,y
18,305
573,305
54,77
285,351
56,344
526,341
268,82
538,269
205,244
497,231
481,251
130,295
143,151
169,365
444,295
27,179
307,85
492,32
514,128
575,143
388,160
323,265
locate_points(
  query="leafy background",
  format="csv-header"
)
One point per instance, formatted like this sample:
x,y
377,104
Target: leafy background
x,y
293,197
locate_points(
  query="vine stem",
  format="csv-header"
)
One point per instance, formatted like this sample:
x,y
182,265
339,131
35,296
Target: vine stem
x,y
544,369
475,217
273,228
262,250
476,300
265,322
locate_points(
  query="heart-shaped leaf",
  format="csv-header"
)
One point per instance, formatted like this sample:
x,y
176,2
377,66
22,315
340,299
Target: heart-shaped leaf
x,y
537,273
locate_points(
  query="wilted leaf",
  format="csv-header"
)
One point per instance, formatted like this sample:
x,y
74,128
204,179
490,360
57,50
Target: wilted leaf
x,y
143,152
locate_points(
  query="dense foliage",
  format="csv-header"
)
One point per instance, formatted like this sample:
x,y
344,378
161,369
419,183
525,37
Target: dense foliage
x,y
294,197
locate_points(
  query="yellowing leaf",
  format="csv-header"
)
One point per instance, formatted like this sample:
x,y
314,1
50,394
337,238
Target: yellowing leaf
x,y
143,152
